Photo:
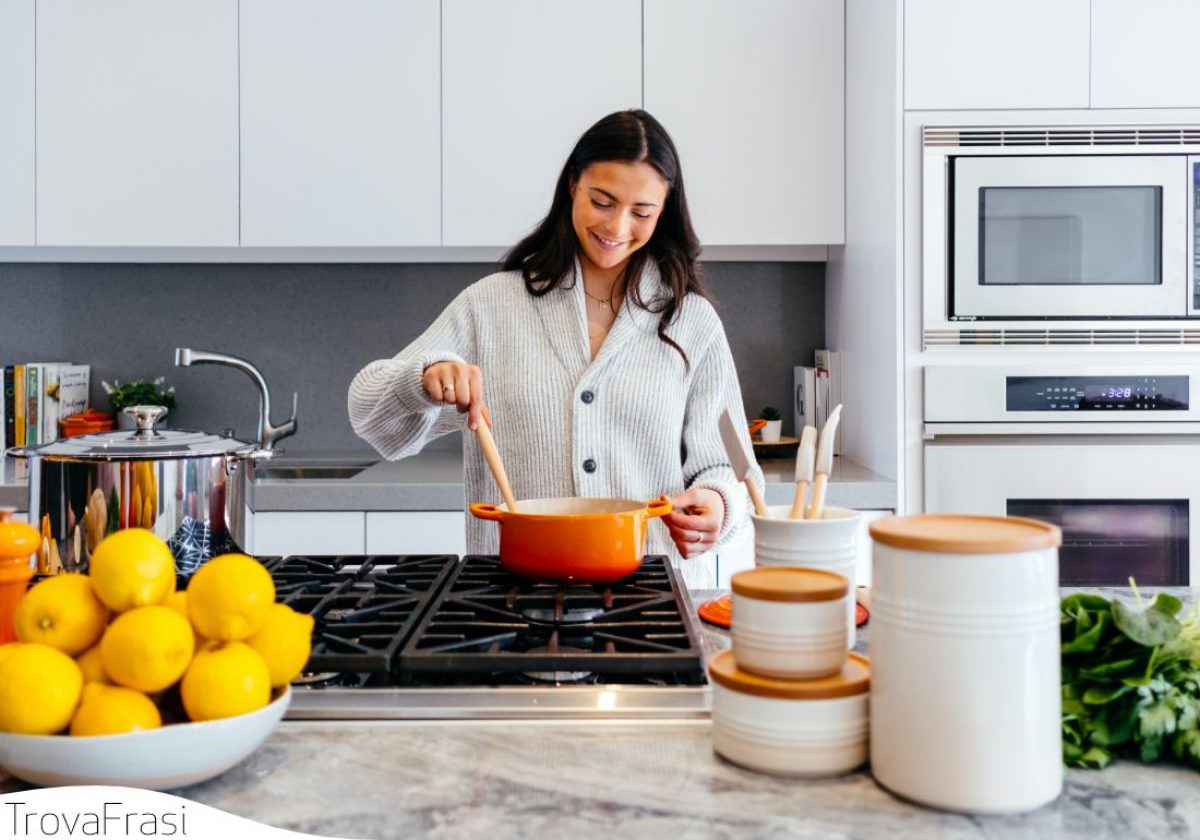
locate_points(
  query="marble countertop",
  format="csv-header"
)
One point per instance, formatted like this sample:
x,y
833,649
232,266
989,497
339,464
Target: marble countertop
x,y
433,480
613,779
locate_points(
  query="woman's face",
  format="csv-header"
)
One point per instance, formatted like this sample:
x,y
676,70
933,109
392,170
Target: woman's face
x,y
614,209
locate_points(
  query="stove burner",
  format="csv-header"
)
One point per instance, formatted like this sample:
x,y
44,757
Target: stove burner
x,y
556,677
560,613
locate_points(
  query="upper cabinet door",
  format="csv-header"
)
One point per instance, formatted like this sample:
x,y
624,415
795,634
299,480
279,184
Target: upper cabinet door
x,y
137,134
964,54
753,96
1144,53
340,123
521,81
16,122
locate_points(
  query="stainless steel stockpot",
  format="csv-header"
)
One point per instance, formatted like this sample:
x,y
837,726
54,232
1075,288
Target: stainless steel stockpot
x,y
187,487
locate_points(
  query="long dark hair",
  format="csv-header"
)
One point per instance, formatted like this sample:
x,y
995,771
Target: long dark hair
x,y
546,257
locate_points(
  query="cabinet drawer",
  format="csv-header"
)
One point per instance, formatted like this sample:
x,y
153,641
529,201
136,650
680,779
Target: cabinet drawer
x,y
417,532
308,532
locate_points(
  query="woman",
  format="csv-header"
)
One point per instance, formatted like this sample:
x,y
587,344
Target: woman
x,y
606,367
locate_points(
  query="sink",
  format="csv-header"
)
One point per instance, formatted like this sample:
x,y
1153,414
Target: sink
x,y
310,471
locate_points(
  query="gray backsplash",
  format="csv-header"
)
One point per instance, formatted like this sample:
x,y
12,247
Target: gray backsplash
x,y
310,327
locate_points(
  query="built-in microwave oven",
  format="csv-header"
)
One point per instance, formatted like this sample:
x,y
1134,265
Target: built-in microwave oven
x,y
1060,231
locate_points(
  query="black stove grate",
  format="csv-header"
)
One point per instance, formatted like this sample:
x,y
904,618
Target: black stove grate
x,y
485,624
365,607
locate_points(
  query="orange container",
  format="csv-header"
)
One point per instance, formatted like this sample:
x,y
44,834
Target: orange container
x,y
573,540
18,542
85,423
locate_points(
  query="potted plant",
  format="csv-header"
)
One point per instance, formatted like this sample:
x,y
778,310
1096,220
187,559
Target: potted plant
x,y
138,392
770,432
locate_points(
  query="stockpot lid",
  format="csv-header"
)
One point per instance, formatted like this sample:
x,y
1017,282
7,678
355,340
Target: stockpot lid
x,y
144,444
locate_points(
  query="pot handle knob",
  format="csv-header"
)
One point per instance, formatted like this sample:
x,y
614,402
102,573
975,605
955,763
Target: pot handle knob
x,y
145,416
491,512
659,507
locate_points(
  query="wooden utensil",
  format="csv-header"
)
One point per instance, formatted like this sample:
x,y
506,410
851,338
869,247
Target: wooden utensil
x,y
492,455
739,460
806,458
824,462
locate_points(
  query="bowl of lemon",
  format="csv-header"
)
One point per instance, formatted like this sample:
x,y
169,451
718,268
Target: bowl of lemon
x,y
119,679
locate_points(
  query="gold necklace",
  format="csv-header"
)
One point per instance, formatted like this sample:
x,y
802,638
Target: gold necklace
x,y
601,301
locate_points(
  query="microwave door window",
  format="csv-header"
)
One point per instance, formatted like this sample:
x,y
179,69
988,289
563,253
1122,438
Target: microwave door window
x,y
1070,236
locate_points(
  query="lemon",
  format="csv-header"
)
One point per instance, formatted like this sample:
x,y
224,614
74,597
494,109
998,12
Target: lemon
x,y
284,642
92,665
147,648
111,710
229,597
225,680
39,689
177,601
63,612
132,568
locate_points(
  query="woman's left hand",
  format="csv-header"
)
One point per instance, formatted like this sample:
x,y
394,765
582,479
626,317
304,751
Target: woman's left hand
x,y
696,520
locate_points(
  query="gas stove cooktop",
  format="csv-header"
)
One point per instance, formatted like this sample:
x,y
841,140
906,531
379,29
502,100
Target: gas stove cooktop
x,y
438,636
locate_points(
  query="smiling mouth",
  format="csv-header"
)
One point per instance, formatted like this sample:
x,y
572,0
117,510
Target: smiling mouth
x,y
607,244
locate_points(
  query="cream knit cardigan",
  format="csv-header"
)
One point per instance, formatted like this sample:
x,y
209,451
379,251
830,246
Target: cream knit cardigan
x,y
649,427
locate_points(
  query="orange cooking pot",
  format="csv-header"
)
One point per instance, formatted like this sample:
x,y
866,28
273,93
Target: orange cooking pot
x,y
573,540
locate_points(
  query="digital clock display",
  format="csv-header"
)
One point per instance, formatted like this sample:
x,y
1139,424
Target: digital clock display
x,y
1153,393
1110,393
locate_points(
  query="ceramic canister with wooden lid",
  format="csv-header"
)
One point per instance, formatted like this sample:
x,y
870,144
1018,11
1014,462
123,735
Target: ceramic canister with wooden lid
x,y
965,695
790,727
789,622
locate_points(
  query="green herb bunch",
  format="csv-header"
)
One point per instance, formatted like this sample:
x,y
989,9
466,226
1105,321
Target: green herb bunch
x,y
139,392
1130,680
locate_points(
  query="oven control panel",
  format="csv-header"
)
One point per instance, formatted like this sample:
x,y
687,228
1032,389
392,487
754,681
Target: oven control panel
x,y
1154,397
1096,393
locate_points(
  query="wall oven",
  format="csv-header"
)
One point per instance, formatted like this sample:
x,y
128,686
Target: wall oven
x,y
1109,454
1060,232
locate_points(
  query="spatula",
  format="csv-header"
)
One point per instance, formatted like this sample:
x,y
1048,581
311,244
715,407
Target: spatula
x,y
824,462
806,458
739,460
492,455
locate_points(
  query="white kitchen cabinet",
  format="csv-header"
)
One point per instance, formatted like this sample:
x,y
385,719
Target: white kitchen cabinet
x,y
980,54
308,532
753,96
416,532
1144,53
521,81
16,126
137,122
340,123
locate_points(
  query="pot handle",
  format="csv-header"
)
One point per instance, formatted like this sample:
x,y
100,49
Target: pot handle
x,y
491,512
659,507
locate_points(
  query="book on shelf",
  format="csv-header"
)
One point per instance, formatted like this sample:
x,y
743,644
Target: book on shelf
x,y
829,388
36,396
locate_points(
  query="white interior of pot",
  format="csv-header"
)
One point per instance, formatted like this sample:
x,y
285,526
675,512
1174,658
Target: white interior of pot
x,y
576,506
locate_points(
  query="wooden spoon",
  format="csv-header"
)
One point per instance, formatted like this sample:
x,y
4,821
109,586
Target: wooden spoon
x,y
492,455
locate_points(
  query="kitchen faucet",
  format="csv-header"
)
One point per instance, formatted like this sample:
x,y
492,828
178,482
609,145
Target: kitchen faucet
x,y
268,435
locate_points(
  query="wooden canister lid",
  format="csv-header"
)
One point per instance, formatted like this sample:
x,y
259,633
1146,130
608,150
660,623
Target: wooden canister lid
x,y
789,583
952,533
853,679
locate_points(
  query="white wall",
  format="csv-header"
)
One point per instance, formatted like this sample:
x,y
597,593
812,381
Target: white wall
x,y
863,280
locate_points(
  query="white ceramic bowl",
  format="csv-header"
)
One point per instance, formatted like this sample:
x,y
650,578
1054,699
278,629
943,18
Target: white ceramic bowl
x,y
158,759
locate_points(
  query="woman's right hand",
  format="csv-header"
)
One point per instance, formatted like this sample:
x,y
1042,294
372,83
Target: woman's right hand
x,y
458,384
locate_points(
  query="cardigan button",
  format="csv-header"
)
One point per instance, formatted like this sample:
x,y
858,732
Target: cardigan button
x,y
587,397
589,466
